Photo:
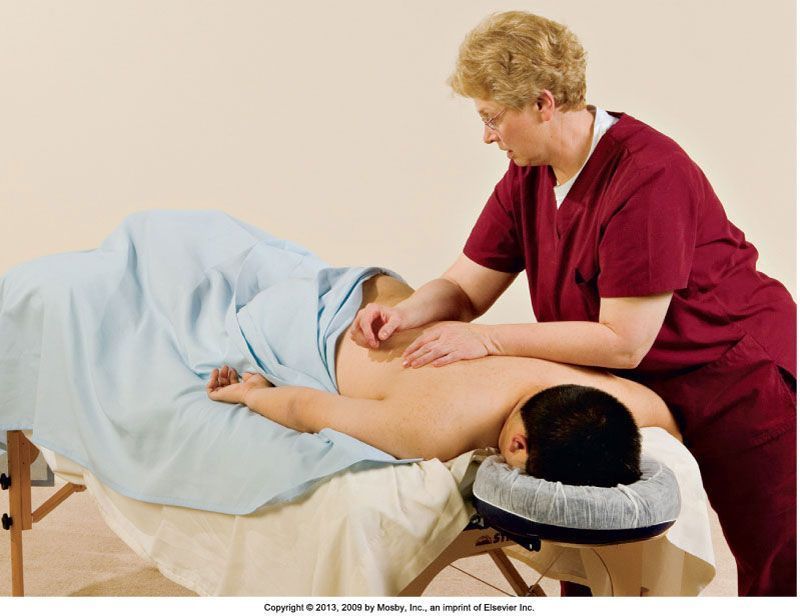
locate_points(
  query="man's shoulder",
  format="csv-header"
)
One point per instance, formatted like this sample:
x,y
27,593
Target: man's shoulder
x,y
556,373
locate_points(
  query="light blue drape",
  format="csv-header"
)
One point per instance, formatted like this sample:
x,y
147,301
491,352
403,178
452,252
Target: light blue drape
x,y
105,355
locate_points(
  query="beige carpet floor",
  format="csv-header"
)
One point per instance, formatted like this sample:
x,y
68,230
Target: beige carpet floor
x,y
72,552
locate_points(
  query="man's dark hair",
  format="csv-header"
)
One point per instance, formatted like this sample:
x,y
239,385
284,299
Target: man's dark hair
x,y
581,436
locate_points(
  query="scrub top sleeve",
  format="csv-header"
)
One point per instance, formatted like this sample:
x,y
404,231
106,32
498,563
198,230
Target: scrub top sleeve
x,y
648,243
494,241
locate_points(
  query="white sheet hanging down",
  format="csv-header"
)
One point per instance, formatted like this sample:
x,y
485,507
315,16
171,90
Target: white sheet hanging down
x,y
369,532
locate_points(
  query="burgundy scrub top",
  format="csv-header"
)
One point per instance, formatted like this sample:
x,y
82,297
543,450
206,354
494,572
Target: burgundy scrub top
x,y
640,219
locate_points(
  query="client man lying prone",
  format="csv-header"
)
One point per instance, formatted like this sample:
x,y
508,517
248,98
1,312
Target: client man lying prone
x,y
558,422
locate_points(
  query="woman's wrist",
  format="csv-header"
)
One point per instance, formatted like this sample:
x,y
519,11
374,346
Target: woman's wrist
x,y
410,316
437,300
489,334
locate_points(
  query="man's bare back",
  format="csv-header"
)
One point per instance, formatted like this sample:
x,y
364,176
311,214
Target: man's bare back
x,y
465,404
425,412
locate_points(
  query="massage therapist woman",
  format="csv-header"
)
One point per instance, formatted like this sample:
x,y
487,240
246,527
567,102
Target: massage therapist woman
x,y
632,265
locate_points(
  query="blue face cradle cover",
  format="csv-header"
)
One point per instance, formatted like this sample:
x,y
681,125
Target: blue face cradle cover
x,y
652,501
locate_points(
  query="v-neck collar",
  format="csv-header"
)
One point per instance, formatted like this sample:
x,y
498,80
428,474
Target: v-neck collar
x,y
570,206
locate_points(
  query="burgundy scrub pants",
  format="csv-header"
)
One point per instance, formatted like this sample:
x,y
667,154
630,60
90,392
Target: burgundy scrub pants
x,y
738,416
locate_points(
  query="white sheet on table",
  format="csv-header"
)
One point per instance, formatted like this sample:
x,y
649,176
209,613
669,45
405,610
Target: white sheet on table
x,y
372,532
360,533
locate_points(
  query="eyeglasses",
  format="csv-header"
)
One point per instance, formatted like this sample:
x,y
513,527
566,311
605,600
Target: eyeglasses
x,y
491,123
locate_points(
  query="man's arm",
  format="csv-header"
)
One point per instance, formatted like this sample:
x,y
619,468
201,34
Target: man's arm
x,y
386,424
380,423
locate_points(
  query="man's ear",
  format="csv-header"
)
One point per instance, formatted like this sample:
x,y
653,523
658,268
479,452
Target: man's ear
x,y
519,442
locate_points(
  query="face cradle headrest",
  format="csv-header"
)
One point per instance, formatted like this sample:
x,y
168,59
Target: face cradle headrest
x,y
651,501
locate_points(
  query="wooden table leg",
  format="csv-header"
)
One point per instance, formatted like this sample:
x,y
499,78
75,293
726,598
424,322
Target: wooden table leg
x,y
21,453
469,543
17,582
510,572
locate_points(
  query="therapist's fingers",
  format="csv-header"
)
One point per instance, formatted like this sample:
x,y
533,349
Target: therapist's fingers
x,y
425,356
447,359
357,331
391,326
382,325
418,343
371,324
357,334
368,320
363,333
430,346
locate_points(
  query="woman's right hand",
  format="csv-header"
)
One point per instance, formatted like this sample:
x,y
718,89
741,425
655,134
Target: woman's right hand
x,y
375,323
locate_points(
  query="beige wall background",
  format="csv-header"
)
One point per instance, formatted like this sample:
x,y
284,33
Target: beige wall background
x,y
330,123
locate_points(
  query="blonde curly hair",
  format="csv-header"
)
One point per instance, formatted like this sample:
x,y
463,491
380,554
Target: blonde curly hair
x,y
511,57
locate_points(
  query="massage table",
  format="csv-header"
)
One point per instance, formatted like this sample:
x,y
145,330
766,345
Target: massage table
x,y
223,501
380,531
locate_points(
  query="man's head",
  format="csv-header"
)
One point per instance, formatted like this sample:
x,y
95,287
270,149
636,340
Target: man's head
x,y
573,434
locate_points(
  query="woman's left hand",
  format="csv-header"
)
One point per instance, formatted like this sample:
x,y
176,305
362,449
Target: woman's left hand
x,y
448,342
